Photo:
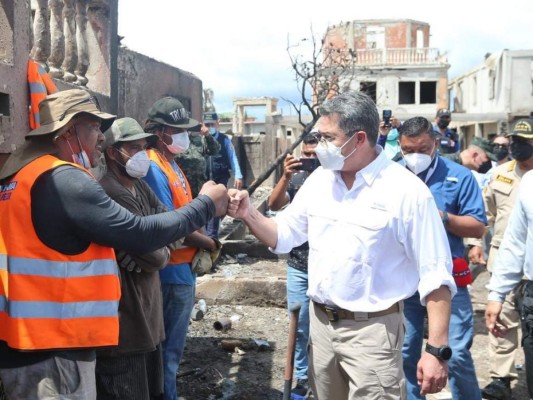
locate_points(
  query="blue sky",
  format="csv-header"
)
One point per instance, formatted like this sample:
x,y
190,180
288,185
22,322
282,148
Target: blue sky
x,y
238,48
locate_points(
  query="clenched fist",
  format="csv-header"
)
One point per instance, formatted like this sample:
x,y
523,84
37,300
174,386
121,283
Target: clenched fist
x,y
219,195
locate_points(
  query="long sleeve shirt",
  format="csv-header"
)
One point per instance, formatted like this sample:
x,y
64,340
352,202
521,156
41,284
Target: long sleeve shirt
x,y
515,256
372,245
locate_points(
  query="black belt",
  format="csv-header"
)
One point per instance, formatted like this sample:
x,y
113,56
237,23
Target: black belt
x,y
334,314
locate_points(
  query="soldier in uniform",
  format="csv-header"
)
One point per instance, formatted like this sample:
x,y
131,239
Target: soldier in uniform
x,y
500,197
194,161
476,156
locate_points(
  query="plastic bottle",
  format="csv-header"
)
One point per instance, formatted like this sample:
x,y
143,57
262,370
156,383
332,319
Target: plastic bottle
x,y
202,305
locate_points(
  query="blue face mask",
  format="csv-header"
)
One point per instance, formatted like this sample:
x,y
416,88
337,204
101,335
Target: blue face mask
x,y
212,130
393,135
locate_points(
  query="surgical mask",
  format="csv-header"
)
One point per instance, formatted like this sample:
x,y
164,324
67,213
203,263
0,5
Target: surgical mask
x,y
485,167
443,124
180,142
212,130
80,158
138,164
393,135
520,150
330,156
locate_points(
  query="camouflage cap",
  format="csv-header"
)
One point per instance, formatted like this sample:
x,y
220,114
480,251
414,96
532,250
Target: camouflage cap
x,y
485,145
57,109
169,111
523,128
125,130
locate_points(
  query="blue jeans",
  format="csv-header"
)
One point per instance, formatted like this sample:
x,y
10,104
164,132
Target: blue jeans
x,y
461,373
296,294
178,301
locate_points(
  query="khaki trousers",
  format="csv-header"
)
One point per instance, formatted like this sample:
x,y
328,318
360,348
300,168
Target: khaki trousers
x,y
502,350
351,359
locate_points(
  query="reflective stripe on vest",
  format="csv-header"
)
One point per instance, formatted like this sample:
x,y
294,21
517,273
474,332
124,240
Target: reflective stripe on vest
x,y
179,199
40,85
50,300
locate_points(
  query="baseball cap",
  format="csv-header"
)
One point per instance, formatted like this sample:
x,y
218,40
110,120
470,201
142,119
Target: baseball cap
x,y
486,146
210,117
523,128
125,130
444,112
58,109
169,111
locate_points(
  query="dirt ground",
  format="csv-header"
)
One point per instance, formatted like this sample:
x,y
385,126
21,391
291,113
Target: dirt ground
x,y
255,370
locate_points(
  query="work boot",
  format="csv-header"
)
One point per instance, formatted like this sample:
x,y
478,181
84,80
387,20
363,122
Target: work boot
x,y
498,389
301,391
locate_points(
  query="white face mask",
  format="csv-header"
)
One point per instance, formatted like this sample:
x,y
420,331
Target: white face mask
x,y
418,162
137,166
212,130
330,156
80,158
180,142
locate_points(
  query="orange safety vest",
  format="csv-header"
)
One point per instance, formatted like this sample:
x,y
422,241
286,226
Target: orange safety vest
x,y
51,300
181,196
40,85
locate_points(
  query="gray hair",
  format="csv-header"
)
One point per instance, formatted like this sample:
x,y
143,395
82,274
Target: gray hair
x,y
357,112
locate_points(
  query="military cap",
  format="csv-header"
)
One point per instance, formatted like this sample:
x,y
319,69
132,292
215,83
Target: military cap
x,y
485,145
523,128
125,130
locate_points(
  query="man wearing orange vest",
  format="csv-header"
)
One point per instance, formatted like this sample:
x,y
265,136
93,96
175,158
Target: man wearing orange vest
x,y
169,120
59,285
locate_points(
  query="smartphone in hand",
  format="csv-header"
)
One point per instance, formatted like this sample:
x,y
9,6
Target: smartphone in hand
x,y
308,164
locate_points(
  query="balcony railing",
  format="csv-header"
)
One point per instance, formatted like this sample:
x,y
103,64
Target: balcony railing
x,y
60,38
377,57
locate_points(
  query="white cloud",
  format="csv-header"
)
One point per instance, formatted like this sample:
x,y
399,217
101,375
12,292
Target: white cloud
x,y
238,48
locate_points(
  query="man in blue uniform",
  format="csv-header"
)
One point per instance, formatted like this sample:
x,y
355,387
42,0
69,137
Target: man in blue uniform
x,y
460,205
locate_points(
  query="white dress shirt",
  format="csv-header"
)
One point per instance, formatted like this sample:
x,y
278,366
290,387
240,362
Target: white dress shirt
x,y
515,256
372,245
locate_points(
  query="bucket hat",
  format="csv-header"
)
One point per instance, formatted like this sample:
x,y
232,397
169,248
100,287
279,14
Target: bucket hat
x,y
57,109
125,130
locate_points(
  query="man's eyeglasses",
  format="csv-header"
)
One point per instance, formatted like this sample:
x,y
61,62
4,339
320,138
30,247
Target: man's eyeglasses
x,y
92,99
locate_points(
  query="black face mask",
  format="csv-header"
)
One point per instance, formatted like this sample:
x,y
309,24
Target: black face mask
x,y
443,124
520,150
485,167
501,153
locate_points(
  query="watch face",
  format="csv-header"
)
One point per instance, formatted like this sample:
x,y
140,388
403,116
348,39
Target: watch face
x,y
445,353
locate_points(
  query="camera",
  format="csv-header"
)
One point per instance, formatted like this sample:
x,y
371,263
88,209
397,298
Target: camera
x,y
308,164
387,114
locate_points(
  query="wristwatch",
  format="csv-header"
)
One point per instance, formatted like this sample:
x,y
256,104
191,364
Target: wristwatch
x,y
443,353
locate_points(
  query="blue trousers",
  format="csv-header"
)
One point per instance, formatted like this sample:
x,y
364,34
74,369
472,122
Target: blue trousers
x,y
462,378
296,294
178,301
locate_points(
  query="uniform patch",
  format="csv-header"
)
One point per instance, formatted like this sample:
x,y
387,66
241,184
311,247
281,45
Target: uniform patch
x,y
504,179
6,190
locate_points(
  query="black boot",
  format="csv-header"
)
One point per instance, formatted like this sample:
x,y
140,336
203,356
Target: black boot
x,y
498,389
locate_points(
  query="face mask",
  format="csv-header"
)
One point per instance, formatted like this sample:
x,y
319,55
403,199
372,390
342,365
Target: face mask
x,y
180,142
485,167
501,153
330,156
521,151
393,135
80,158
443,124
137,166
417,162
212,130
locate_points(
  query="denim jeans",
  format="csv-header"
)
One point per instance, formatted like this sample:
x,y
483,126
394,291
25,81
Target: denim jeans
x,y
178,301
461,373
296,294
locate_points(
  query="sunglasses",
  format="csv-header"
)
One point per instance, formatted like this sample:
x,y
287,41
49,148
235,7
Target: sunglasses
x,y
92,99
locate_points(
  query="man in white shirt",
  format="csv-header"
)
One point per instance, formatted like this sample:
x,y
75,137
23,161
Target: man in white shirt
x,y
375,238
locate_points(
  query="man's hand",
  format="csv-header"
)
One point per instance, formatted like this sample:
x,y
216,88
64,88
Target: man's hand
x,y
239,204
204,130
290,165
237,184
383,130
492,318
431,373
475,255
219,195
